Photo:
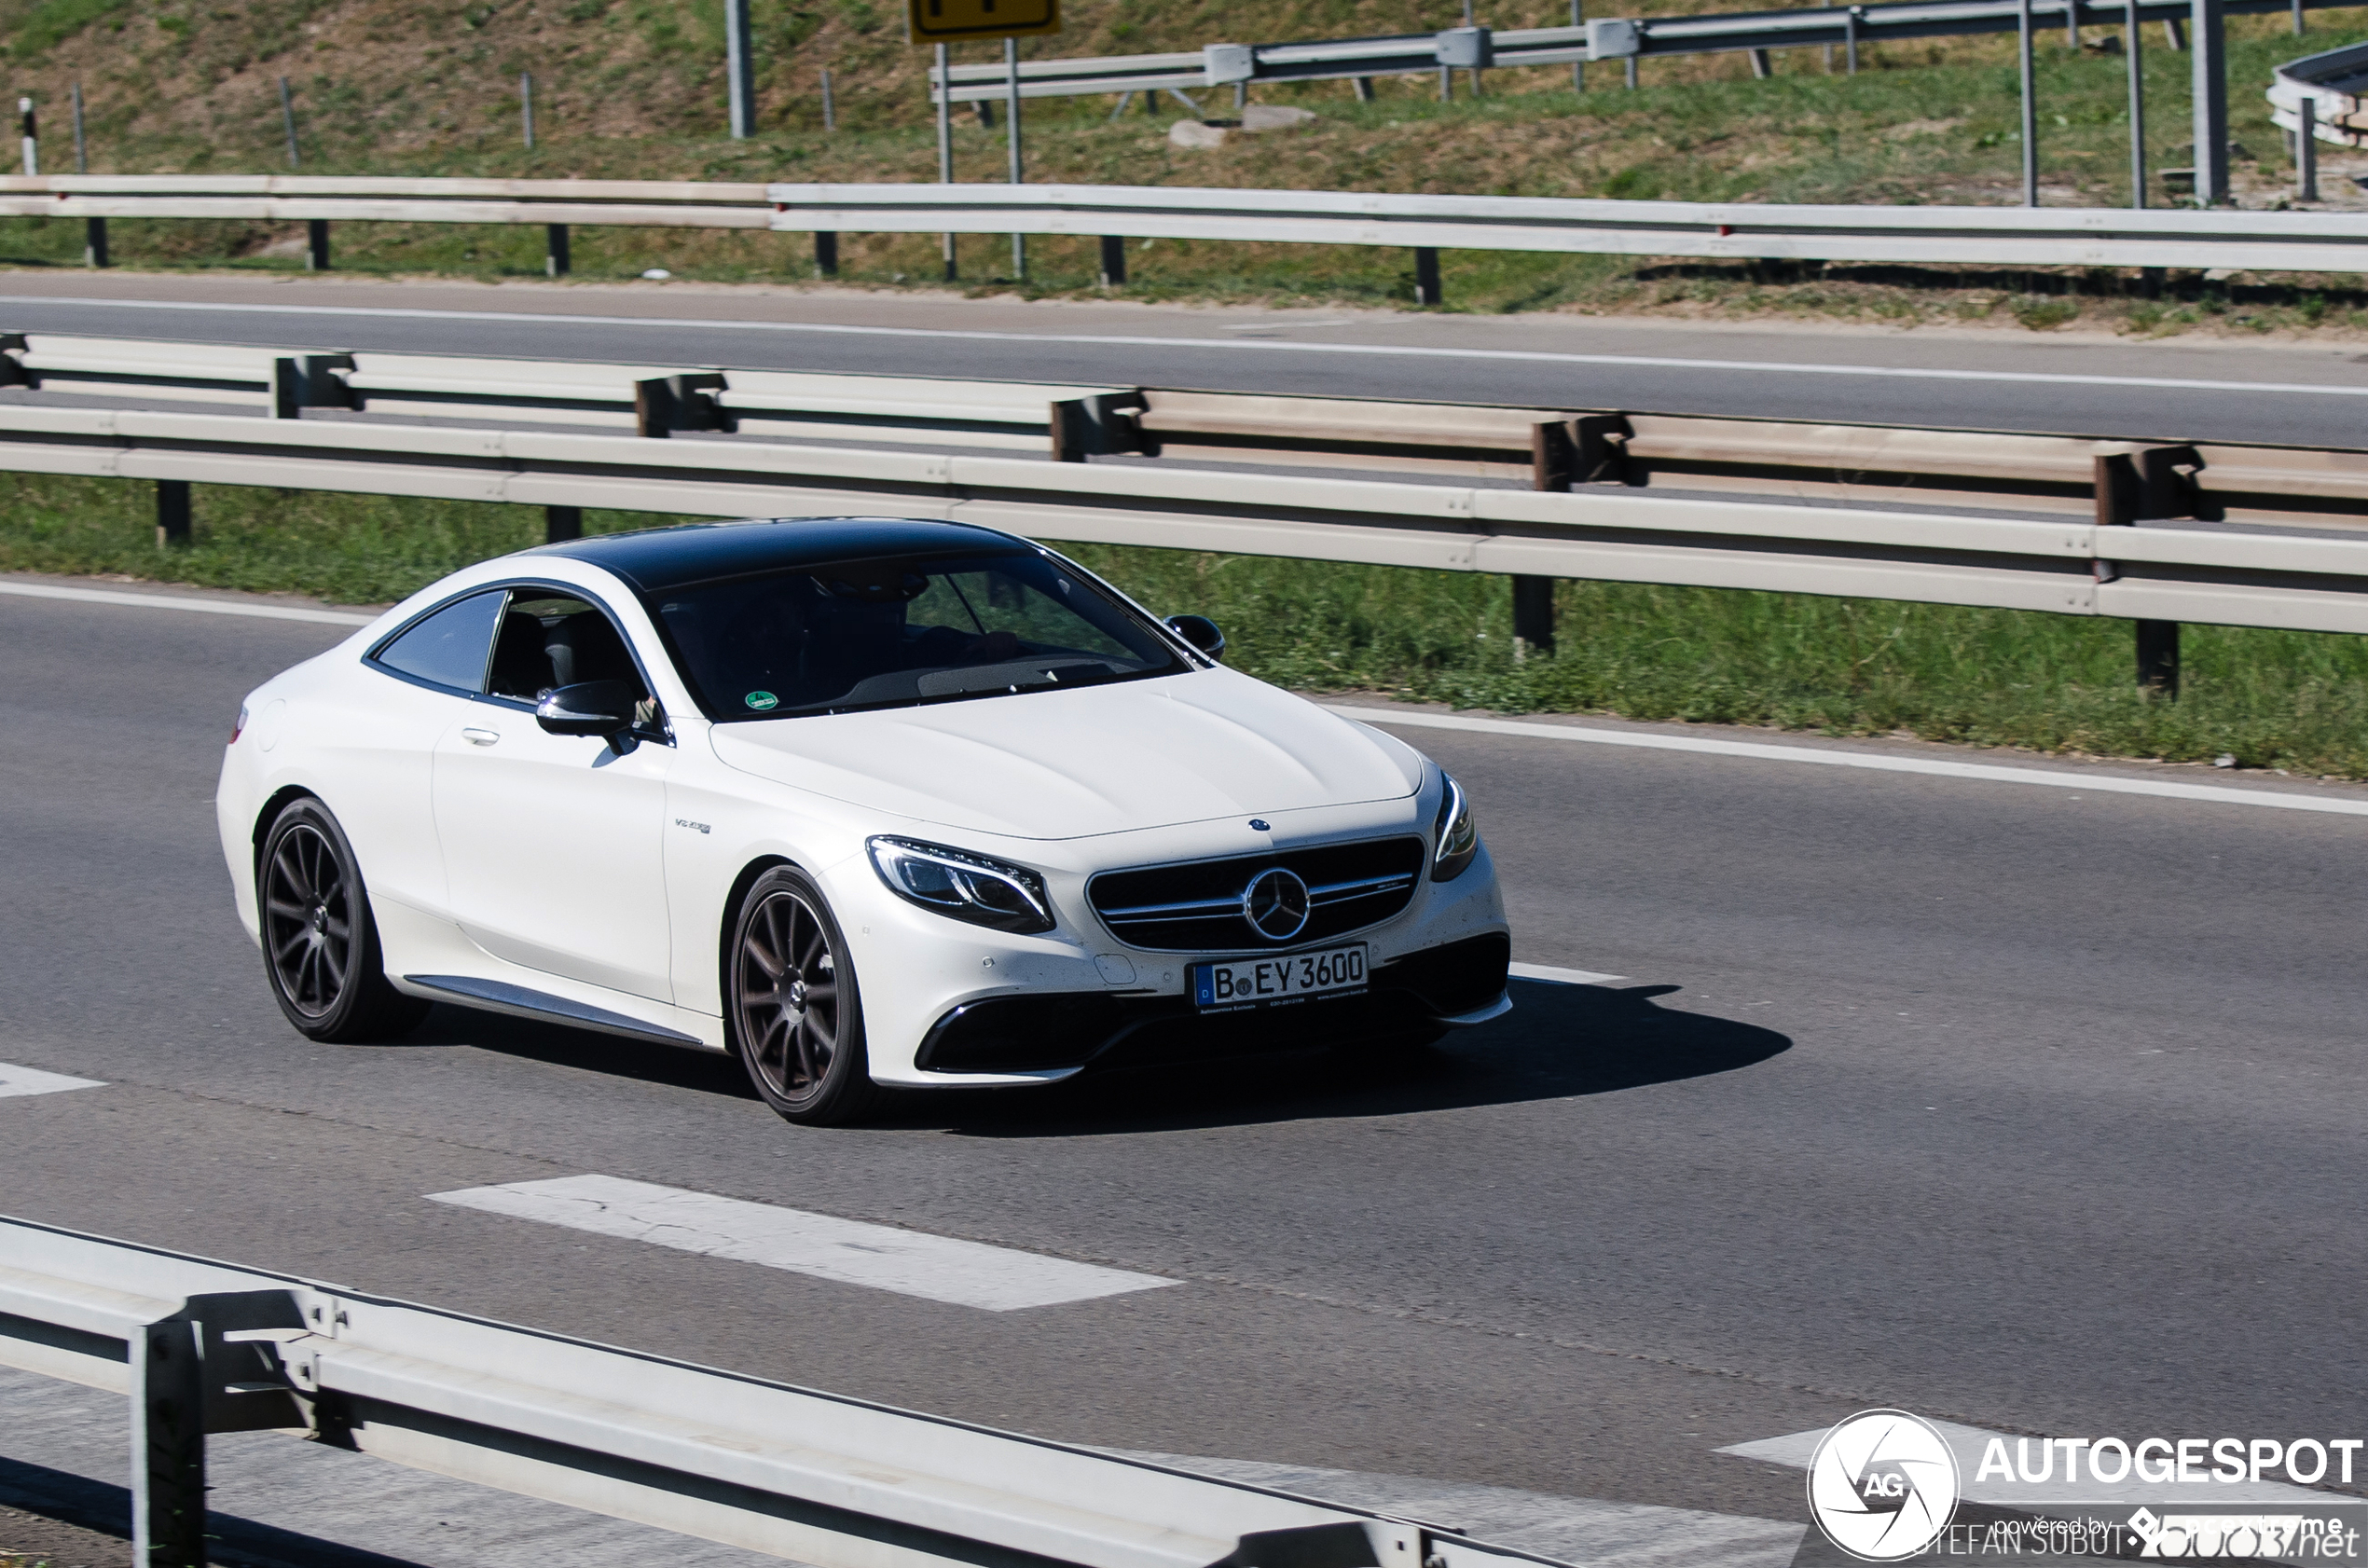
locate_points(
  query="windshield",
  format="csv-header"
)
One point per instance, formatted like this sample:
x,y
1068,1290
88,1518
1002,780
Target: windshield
x,y
890,633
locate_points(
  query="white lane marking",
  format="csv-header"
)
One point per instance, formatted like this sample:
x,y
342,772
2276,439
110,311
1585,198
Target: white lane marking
x,y
1539,357
2054,778
200,606
910,1262
33,1081
1562,977
1969,1443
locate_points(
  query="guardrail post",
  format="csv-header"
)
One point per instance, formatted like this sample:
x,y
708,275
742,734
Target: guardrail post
x,y
740,69
168,1439
2211,96
2028,106
2173,35
945,80
826,255
1426,291
555,260
1532,616
287,122
2307,150
316,244
2133,39
1113,261
172,513
287,389
2159,658
1850,40
1097,426
1553,461
1761,69
562,523
662,405
1364,87
94,242
2126,492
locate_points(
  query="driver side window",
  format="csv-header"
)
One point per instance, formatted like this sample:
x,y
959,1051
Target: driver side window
x,y
549,639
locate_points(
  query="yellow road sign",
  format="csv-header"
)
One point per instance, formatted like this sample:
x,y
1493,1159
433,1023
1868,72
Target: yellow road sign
x,y
951,22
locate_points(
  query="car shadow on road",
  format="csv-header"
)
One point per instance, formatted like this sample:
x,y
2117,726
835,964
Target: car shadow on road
x,y
1559,1042
705,1072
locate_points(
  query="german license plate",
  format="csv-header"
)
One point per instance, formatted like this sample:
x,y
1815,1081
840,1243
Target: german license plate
x,y
1248,982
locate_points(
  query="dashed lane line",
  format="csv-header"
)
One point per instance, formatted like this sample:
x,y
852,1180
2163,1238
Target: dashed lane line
x,y
851,1252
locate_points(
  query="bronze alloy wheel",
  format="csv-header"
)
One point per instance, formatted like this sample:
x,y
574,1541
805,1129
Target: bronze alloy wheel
x,y
320,944
798,1024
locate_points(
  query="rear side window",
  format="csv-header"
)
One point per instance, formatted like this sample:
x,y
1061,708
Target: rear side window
x,y
449,648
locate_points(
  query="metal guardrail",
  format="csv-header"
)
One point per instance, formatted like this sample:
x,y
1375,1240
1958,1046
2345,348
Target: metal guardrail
x,y
1600,39
202,1348
2002,235
1541,448
2333,83
1998,236
650,399
2117,566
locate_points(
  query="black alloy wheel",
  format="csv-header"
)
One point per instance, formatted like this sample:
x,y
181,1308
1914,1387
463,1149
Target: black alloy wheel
x,y
797,1021
320,945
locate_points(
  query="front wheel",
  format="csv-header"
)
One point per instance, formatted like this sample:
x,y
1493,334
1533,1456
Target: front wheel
x,y
795,1016
320,944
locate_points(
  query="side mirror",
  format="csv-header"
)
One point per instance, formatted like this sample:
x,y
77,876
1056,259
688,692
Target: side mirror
x,y
595,707
1201,632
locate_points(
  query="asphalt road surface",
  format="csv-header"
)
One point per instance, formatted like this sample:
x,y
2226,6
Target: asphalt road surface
x,y
1987,379
2037,1108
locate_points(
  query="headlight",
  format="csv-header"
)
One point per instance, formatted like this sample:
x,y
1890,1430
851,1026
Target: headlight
x,y
962,886
1454,837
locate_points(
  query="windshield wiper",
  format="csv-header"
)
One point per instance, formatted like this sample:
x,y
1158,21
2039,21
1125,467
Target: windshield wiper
x,y
1027,673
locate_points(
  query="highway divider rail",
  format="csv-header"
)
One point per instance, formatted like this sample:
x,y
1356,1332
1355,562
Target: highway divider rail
x,y
2316,242
1598,39
201,1348
2062,523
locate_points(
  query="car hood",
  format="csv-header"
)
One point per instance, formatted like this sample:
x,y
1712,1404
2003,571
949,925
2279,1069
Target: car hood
x,y
1097,760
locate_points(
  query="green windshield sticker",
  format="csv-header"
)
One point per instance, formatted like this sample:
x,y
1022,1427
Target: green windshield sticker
x,y
762,700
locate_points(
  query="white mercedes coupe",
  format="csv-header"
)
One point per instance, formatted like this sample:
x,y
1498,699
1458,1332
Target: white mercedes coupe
x,y
862,802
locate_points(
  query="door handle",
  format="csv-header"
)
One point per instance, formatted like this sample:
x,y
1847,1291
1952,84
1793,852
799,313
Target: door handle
x,y
480,738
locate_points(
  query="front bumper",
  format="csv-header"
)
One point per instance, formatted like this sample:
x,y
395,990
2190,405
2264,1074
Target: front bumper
x,y
1051,1032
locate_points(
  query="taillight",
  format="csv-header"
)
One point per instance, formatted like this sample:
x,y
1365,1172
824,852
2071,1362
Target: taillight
x,y
238,727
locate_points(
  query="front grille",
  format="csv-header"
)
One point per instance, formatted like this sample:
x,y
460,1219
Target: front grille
x,y
1197,907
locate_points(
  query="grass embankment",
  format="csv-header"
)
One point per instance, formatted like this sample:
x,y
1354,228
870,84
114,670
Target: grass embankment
x,y
633,87
2271,699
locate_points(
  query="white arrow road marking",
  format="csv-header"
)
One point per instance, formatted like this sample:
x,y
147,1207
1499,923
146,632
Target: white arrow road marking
x,y
880,1257
33,1081
1553,976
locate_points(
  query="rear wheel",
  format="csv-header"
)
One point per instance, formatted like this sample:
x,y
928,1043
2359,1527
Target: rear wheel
x,y
320,945
795,1015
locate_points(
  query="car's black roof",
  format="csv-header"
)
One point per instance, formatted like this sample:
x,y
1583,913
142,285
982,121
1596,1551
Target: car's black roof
x,y
656,559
